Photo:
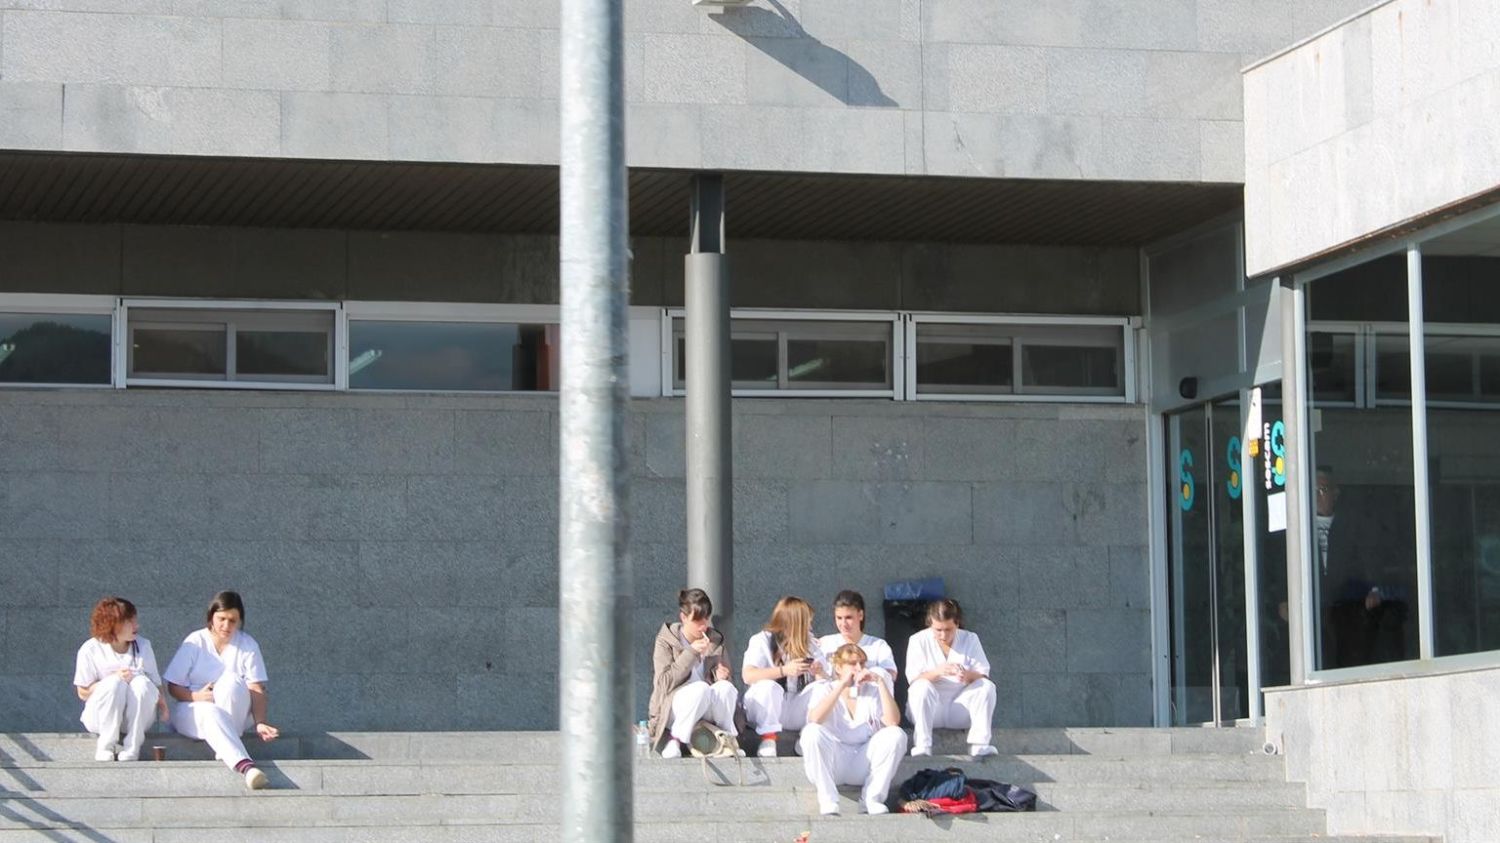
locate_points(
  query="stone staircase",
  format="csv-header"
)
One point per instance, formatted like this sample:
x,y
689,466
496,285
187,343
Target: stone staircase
x,y
1118,785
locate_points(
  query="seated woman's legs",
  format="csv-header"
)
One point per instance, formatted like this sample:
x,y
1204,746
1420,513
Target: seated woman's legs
x,y
220,722
882,755
698,701
794,709
104,714
821,760
922,708
139,714
764,703
977,701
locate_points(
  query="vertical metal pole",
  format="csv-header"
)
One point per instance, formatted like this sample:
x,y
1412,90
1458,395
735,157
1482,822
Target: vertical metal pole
x,y
594,694
710,515
1421,491
1301,597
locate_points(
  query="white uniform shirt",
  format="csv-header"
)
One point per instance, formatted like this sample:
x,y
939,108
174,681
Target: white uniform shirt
x,y
851,728
878,655
924,654
758,654
697,675
196,663
97,660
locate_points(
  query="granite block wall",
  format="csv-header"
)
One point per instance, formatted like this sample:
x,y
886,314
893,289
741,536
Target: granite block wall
x,y
398,553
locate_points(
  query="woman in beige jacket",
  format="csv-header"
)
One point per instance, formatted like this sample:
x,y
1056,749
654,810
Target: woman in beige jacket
x,y
690,676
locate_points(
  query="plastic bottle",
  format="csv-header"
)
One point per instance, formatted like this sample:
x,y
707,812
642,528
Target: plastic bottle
x,y
642,740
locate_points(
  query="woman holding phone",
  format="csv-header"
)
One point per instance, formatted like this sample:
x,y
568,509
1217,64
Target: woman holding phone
x,y
689,676
950,681
853,733
781,664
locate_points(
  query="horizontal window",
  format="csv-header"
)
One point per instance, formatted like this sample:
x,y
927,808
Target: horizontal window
x,y
55,348
250,345
452,356
800,354
1002,358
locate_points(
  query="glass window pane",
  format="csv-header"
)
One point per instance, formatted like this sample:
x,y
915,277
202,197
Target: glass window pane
x,y
281,354
814,363
753,362
1081,367
1331,360
1392,368
172,350
456,356
1364,533
1463,451
964,358
54,348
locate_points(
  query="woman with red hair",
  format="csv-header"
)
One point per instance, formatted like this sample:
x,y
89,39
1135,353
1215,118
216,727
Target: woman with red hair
x,y
116,677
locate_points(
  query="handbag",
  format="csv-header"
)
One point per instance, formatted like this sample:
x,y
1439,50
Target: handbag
x,y
999,797
709,741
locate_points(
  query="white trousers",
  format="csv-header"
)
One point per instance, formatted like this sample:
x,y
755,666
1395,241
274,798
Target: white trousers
x,y
220,722
701,701
949,705
829,763
117,706
770,709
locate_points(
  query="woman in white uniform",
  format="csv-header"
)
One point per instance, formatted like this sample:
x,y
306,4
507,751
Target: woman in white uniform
x,y
849,619
950,681
218,680
853,734
781,663
116,677
690,676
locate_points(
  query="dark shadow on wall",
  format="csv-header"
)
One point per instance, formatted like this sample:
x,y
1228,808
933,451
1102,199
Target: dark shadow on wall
x,y
779,35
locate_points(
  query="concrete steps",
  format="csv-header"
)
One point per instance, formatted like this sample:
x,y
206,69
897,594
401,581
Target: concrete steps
x,y
1166,785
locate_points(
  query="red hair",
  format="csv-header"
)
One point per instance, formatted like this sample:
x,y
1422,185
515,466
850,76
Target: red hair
x,y
108,614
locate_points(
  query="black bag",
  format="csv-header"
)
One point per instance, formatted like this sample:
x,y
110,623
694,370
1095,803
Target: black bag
x,y
999,797
934,784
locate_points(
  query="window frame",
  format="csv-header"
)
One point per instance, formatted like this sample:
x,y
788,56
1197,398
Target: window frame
x,y
892,319
71,305
124,331
1020,392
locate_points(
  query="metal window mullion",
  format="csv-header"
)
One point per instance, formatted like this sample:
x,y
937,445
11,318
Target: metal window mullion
x,y
783,377
1017,351
1252,551
1417,354
339,360
1210,492
1296,388
231,351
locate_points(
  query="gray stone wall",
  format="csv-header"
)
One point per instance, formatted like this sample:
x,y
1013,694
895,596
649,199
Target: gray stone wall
x,y
1387,118
1408,755
398,553
227,262
1070,89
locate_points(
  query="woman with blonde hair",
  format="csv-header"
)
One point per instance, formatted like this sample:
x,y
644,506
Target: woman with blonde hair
x,y
781,663
853,733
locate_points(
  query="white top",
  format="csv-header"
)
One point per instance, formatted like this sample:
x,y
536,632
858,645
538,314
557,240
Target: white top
x,y
196,663
855,728
97,660
697,662
878,655
924,654
758,654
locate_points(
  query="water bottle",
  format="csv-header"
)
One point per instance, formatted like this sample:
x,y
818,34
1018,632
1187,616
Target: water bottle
x,y
642,740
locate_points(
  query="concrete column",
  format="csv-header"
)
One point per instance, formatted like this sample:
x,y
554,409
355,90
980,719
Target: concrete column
x,y
710,517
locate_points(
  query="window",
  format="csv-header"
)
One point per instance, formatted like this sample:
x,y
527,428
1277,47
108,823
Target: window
x,y
997,357
453,348
793,353
47,343
249,345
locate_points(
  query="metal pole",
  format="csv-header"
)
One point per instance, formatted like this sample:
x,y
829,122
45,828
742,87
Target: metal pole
x,y
1301,595
1420,489
710,515
594,693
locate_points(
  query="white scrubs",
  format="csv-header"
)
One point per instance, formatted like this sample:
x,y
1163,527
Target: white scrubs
x,y
878,655
222,721
698,700
948,703
769,707
116,706
851,748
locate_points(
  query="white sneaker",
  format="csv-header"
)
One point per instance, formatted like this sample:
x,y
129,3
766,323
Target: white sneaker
x,y
919,751
104,754
255,779
979,750
874,808
128,756
829,810
768,749
673,749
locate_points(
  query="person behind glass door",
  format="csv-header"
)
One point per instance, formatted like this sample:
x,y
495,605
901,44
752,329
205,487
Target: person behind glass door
x,y
950,684
1366,610
781,663
849,619
689,676
853,733
116,677
218,679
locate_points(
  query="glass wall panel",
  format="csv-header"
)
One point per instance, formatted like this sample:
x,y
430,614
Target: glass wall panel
x,y
452,356
1461,302
1268,484
54,348
1364,536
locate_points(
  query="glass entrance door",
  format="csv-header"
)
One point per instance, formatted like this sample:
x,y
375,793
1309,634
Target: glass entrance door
x,y
1206,567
